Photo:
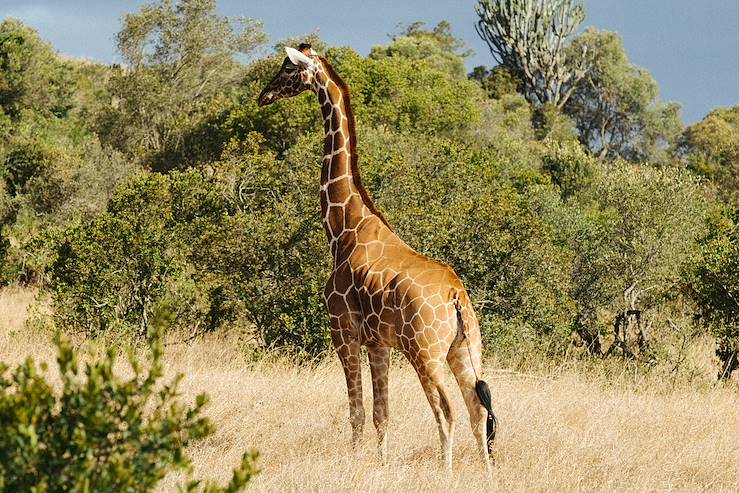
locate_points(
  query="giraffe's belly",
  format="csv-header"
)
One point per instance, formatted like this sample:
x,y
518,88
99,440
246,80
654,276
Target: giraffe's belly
x,y
399,294
399,306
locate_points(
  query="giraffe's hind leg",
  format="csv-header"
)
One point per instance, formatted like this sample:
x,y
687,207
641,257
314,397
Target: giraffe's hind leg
x,y
379,360
431,374
465,363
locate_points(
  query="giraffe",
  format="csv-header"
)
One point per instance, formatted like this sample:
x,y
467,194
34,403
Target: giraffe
x,y
381,293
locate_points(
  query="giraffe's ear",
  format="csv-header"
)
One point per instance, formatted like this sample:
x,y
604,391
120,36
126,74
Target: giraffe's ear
x,y
297,57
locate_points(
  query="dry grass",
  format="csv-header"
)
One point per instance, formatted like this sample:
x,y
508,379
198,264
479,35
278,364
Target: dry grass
x,y
16,341
574,432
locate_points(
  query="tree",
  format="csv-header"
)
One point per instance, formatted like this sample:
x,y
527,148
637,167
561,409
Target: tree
x,y
615,104
711,149
496,82
110,273
715,287
653,218
437,46
633,230
178,59
32,77
529,37
36,89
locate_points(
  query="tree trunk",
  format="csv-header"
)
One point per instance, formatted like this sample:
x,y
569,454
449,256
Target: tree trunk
x,y
729,356
584,328
630,334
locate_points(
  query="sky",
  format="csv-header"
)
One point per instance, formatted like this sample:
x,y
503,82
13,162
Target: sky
x,y
690,47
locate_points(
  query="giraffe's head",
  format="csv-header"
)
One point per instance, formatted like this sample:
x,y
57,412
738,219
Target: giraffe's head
x,y
297,74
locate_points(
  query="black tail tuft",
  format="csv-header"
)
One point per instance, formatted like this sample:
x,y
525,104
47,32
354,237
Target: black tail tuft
x,y
483,393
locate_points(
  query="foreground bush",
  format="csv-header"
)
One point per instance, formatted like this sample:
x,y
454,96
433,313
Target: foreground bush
x,y
101,432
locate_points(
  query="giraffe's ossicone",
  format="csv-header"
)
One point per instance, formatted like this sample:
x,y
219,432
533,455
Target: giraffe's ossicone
x,y
382,294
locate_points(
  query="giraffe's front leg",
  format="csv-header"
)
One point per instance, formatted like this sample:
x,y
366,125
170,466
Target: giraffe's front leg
x,y
379,359
347,347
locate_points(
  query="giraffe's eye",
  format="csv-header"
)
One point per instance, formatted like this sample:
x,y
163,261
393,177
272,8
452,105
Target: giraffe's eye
x,y
291,70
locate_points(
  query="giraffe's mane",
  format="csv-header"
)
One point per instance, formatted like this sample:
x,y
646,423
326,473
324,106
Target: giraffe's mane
x,y
356,176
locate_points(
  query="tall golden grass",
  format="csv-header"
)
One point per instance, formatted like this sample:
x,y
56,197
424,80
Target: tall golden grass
x,y
571,432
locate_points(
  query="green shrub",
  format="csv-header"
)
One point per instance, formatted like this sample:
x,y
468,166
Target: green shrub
x,y
242,244
100,432
632,230
50,182
715,287
266,255
111,272
570,167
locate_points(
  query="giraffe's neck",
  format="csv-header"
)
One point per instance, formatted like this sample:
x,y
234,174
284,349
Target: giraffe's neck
x,y
344,200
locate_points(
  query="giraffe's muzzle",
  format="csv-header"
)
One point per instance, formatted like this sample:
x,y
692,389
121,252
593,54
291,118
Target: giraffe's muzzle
x,y
266,97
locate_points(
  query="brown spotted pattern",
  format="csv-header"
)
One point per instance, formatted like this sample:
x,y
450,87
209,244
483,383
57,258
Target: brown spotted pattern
x,y
381,293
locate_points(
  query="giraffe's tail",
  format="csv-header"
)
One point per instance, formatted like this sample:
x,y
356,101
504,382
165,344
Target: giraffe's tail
x,y
483,393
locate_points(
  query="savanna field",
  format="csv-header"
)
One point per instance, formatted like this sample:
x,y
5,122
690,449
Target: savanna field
x,y
567,430
168,226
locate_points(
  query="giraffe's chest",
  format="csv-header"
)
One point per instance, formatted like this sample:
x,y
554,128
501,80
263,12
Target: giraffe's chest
x,y
368,292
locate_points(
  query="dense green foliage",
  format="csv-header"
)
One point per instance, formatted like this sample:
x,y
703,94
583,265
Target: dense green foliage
x,y
53,169
31,77
632,229
438,47
99,432
588,218
119,262
716,288
711,149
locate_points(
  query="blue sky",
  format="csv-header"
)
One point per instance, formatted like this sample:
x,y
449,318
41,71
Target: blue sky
x,y
690,47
